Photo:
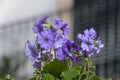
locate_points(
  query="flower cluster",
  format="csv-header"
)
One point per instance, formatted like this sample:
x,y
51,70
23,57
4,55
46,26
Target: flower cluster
x,y
89,44
52,43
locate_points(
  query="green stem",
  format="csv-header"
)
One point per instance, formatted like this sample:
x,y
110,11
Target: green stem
x,y
55,54
69,63
40,78
88,69
40,61
80,77
84,69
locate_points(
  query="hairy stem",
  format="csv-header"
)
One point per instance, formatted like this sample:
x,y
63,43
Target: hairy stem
x,y
88,69
55,54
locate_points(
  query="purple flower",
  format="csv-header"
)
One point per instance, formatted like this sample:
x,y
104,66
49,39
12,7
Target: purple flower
x,y
70,56
83,38
80,37
64,53
54,32
60,54
90,33
37,64
75,47
46,39
65,49
67,54
53,37
45,18
69,44
59,42
89,44
91,51
84,47
88,54
57,23
99,45
88,50
86,39
31,51
38,26
65,28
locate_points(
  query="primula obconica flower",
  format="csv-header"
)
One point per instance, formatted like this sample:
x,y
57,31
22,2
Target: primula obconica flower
x,y
37,64
65,28
38,26
46,39
50,44
57,23
99,45
90,33
31,51
89,44
60,54
60,41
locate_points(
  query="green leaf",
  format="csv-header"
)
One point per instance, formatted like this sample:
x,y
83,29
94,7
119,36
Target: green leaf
x,y
78,68
9,77
70,74
55,67
48,77
83,75
95,78
91,73
37,72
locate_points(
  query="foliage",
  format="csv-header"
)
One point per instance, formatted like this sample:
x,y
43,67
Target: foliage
x,y
55,67
7,77
78,72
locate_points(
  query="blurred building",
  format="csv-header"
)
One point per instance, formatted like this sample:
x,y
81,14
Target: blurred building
x,y
103,15
17,18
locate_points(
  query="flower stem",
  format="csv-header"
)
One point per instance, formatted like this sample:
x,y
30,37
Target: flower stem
x,y
55,54
70,64
40,78
88,69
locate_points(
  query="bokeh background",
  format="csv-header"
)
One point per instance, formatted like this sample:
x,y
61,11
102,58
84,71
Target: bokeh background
x,y
17,18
